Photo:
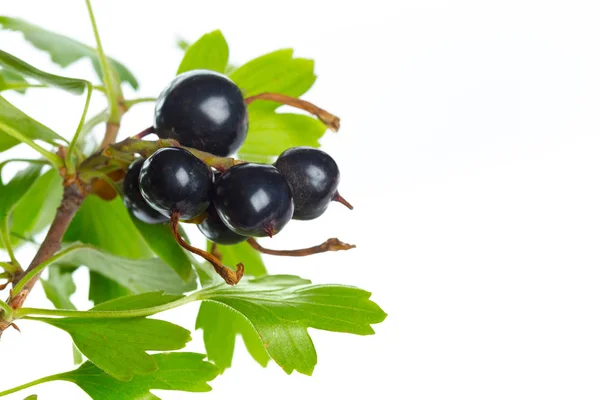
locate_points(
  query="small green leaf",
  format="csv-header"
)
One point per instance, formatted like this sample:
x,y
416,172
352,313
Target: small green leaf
x,y
183,44
270,134
176,371
118,346
36,209
138,301
220,326
72,85
59,287
16,188
277,72
282,307
31,397
27,126
160,239
209,52
63,51
11,80
136,275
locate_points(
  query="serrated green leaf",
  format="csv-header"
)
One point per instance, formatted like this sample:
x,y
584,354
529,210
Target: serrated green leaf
x,y
11,80
176,371
59,287
72,85
220,326
138,301
160,239
18,120
282,307
36,209
277,72
63,50
136,275
16,188
209,52
118,346
270,134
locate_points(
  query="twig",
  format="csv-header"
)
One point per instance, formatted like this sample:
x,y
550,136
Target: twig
x,y
333,244
229,276
326,117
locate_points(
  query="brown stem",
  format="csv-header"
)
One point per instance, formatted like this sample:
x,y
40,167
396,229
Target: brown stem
x,y
227,274
214,250
332,244
326,117
337,197
110,135
145,132
71,201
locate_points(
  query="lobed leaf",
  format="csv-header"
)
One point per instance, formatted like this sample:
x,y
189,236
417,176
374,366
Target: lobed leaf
x,y
209,52
118,346
63,50
282,307
270,134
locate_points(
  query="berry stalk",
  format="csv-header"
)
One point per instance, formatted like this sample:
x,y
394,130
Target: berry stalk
x,y
229,276
333,244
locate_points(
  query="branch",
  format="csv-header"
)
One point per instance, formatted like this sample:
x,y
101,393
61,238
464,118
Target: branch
x,y
72,198
333,244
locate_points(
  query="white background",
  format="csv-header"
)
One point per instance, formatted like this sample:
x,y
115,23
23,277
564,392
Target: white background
x,y
470,148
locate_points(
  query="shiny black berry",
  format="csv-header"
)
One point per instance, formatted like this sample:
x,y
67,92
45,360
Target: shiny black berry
x,y
216,231
253,199
313,177
133,198
202,109
172,179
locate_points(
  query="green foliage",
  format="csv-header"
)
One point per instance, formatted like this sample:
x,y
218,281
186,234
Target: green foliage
x,y
281,307
13,121
209,52
138,270
118,346
9,61
63,50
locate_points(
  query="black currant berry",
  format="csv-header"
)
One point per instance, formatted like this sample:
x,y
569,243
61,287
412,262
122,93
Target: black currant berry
x,y
133,198
216,231
313,177
172,179
253,199
202,109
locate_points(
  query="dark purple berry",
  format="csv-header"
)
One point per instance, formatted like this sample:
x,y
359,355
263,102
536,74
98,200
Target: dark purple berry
x,y
253,199
133,198
172,179
202,109
216,231
313,177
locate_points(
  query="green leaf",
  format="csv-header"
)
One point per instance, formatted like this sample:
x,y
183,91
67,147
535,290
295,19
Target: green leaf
x,y
8,80
103,289
220,326
243,252
72,85
59,287
118,346
31,397
63,50
282,307
136,275
19,121
277,72
138,301
161,241
16,188
176,371
36,209
270,134
209,52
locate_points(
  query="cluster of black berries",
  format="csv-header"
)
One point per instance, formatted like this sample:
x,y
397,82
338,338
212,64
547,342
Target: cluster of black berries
x,y
206,110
